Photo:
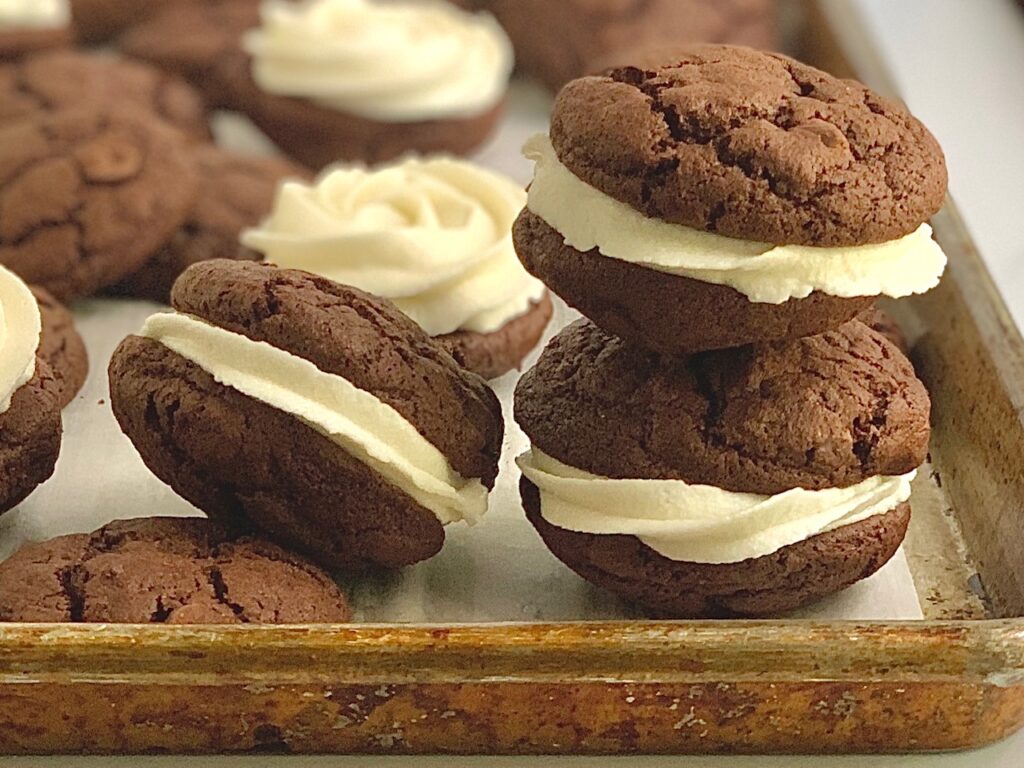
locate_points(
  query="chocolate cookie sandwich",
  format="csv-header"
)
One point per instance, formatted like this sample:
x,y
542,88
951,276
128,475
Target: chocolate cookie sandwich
x,y
235,191
315,412
88,195
61,347
166,570
27,26
30,423
52,81
433,236
747,481
726,197
332,80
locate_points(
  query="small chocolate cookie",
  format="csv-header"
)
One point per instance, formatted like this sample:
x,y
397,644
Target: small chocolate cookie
x,y
86,196
668,313
166,570
558,41
763,586
30,435
239,459
61,347
493,354
49,82
235,191
19,42
820,412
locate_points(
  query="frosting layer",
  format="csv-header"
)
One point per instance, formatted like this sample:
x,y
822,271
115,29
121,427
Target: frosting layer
x,y
394,62
369,429
770,274
20,325
701,523
433,236
36,14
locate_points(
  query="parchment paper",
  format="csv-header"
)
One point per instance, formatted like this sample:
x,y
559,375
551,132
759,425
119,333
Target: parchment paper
x,y
496,571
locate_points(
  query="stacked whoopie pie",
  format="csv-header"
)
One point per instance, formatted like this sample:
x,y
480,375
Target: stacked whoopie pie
x,y
723,435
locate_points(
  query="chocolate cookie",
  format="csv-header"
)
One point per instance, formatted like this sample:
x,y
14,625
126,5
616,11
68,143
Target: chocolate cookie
x,y
18,42
61,347
30,434
751,151
494,354
99,20
63,79
823,412
558,41
86,196
166,571
239,458
235,192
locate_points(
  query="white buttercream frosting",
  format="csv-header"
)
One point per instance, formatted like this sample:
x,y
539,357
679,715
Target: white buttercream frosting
x,y
587,219
701,523
433,236
360,423
20,326
34,14
394,62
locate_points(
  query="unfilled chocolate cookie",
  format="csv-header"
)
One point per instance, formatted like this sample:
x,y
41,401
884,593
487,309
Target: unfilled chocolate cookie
x,y
61,347
239,459
494,354
235,191
49,82
30,435
166,571
86,196
834,411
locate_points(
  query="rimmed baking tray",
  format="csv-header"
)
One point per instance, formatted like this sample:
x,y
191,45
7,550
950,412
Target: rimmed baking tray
x,y
953,680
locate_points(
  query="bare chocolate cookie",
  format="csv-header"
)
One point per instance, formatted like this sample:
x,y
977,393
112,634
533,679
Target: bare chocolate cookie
x,y
87,196
61,347
64,79
166,570
17,42
240,459
494,354
30,435
235,191
834,411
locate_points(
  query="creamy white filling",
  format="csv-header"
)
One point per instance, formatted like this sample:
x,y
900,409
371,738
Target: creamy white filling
x,y
357,421
34,14
20,327
394,62
701,523
432,235
771,274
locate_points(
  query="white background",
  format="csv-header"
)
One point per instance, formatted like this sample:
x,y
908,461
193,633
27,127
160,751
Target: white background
x,y
960,66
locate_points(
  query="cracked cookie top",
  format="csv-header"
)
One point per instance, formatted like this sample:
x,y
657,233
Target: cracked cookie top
x,y
751,145
87,195
819,412
165,570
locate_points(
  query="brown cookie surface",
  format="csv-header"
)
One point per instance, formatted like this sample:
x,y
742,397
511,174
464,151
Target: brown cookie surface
x,y
19,42
751,145
238,459
820,412
235,191
667,313
493,354
86,196
884,323
99,20
61,347
30,435
166,571
765,586
49,82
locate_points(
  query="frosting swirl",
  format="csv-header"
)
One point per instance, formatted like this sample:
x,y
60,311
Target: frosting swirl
x,y
433,236
701,523
771,274
20,326
35,14
394,62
